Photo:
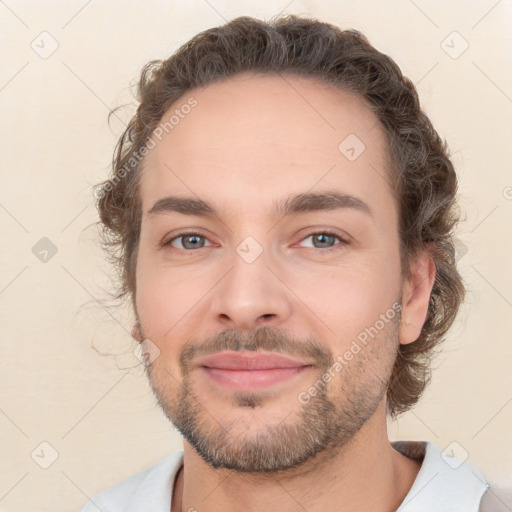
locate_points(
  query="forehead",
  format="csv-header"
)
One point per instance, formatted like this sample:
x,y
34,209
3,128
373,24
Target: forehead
x,y
254,136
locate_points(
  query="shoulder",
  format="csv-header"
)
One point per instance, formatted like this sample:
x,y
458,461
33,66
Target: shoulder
x,y
148,489
497,499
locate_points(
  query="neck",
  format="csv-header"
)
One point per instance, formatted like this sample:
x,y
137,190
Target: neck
x,y
365,474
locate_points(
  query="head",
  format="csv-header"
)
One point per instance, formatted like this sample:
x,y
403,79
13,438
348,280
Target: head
x,y
279,189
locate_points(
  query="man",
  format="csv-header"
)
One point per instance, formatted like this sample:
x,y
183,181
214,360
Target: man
x,y
282,212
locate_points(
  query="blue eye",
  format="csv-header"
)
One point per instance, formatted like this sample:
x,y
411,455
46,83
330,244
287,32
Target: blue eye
x,y
190,241
324,240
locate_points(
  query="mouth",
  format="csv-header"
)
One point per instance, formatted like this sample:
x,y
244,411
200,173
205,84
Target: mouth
x,y
250,371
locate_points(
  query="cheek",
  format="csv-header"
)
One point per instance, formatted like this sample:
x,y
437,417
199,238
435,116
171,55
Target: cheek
x,y
169,298
352,308
351,298
160,302
162,310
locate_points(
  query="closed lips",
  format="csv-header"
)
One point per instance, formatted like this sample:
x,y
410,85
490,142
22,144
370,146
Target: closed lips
x,y
237,361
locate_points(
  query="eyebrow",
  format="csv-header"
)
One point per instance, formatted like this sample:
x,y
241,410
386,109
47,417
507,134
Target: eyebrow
x,y
292,205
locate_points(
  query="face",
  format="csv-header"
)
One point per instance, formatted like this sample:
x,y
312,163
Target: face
x,y
270,281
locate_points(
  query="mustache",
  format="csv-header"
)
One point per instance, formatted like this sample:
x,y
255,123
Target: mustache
x,y
264,339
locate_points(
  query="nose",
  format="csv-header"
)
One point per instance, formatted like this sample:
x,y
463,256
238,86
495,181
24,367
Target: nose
x,y
251,295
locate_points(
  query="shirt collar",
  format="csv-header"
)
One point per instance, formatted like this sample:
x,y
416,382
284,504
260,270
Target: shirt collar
x,y
443,482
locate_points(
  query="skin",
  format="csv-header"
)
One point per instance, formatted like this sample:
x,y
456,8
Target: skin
x,y
250,141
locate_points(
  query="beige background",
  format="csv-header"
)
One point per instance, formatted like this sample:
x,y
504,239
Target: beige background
x,y
60,382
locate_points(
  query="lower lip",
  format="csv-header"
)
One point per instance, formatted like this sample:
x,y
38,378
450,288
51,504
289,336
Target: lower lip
x,y
251,380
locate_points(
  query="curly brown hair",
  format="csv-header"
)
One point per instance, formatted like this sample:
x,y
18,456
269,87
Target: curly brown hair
x,y
422,174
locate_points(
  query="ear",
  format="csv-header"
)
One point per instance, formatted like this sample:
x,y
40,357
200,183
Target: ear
x,y
416,297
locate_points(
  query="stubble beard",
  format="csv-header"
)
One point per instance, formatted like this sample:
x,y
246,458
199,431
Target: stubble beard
x,y
322,426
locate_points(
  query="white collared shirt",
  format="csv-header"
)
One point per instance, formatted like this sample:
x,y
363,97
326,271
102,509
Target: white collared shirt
x,y
443,484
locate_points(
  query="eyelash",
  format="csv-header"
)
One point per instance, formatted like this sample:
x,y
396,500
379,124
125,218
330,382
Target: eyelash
x,y
316,249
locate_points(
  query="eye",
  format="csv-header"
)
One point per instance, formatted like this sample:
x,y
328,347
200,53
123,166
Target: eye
x,y
325,240
187,241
